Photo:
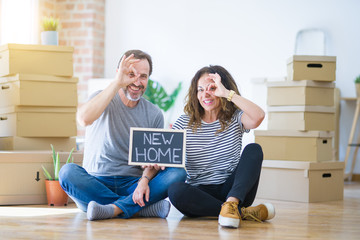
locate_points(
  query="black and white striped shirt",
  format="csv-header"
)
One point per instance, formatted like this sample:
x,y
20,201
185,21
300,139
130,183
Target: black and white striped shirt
x,y
211,157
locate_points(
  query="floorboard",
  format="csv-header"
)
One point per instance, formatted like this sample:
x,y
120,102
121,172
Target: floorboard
x,y
293,220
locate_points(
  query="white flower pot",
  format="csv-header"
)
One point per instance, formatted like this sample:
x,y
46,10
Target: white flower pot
x,y
49,38
357,87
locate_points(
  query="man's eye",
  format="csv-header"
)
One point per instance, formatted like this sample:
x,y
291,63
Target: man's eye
x,y
131,74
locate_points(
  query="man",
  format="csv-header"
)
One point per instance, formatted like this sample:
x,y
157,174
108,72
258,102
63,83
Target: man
x,y
106,186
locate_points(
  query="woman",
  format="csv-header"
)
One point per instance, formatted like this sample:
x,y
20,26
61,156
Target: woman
x,y
219,181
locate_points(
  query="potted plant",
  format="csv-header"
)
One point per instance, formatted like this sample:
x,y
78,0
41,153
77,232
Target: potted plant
x,y
357,86
49,35
56,196
156,94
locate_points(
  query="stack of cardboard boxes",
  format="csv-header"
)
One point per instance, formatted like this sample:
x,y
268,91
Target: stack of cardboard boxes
x,y
297,146
38,100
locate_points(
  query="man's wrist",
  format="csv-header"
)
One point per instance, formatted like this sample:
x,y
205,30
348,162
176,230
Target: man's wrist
x,y
146,177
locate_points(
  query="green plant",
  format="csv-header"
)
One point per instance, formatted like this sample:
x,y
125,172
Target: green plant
x,y
357,79
50,24
56,162
156,94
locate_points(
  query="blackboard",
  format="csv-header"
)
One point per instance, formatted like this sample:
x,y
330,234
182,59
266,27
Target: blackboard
x,y
164,147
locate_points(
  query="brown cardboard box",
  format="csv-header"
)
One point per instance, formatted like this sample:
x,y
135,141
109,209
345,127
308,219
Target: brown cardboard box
x,y
22,179
312,146
38,90
36,59
305,92
62,144
319,68
302,118
37,122
301,181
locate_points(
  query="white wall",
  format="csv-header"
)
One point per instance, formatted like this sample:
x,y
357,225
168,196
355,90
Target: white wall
x,y
249,38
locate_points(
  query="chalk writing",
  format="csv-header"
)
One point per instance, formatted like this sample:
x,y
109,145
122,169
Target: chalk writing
x,y
157,146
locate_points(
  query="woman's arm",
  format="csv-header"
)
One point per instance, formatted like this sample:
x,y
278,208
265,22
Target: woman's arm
x,y
253,115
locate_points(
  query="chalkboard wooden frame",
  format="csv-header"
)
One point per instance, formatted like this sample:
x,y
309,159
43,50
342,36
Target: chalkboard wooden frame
x,y
176,133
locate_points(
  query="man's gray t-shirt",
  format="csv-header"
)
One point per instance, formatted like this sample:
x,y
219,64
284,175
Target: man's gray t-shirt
x,y
106,149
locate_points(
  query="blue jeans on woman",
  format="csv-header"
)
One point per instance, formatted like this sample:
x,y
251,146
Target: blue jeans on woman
x,y
83,187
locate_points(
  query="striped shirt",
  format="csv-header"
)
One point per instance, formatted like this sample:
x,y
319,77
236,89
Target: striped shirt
x,y
211,157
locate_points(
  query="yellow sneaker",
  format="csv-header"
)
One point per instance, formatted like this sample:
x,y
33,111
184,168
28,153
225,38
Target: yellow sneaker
x,y
258,213
229,215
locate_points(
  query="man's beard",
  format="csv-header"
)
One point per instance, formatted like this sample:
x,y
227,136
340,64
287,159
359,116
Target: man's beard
x,y
128,95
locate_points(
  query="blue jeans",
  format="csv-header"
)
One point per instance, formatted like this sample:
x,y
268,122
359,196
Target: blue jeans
x,y
83,187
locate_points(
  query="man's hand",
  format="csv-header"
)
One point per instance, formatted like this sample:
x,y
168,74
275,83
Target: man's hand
x,y
141,190
126,73
153,166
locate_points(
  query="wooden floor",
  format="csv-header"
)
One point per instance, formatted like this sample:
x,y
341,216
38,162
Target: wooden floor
x,y
326,220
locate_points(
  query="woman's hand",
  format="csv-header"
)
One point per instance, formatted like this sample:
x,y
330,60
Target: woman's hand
x,y
217,88
142,190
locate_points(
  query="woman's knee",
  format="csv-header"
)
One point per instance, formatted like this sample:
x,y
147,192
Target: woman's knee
x,y
254,149
176,190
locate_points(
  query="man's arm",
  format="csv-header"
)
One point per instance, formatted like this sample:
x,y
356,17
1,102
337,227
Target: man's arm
x,y
143,185
93,109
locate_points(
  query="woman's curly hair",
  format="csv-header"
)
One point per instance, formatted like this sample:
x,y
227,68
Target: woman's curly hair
x,y
193,108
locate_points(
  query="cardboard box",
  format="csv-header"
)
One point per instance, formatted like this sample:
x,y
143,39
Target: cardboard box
x,y
312,146
319,68
38,90
302,118
301,181
36,59
38,122
300,93
62,144
21,176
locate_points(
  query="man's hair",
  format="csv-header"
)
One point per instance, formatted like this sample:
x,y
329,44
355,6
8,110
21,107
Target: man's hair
x,y
138,54
193,108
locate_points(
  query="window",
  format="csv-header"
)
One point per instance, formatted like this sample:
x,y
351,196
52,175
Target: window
x,y
19,21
